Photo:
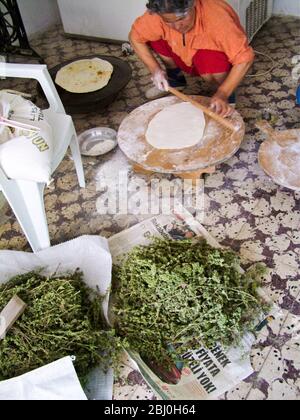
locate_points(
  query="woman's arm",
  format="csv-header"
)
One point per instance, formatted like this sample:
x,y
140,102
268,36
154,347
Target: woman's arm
x,y
159,76
234,78
144,53
219,101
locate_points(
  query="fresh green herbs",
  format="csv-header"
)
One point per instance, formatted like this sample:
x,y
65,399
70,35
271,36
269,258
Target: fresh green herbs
x,y
62,318
169,295
176,294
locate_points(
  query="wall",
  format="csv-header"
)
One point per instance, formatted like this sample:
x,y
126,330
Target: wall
x,y
287,7
38,15
110,19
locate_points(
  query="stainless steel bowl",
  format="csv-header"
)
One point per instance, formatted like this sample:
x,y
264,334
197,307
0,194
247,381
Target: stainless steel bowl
x,y
97,141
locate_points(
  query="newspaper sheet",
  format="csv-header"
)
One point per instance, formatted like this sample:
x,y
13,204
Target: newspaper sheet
x,y
210,372
56,381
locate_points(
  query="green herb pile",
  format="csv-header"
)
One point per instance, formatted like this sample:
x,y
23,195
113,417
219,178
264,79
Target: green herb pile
x,y
175,294
62,318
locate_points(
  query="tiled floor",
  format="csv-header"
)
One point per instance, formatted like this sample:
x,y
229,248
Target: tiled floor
x,y
244,209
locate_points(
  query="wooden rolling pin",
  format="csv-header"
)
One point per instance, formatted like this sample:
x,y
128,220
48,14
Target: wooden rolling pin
x,y
223,121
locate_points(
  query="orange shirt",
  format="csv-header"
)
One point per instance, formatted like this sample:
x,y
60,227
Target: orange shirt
x,y
217,27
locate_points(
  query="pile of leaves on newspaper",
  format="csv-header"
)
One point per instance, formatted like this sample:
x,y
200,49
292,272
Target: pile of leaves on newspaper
x,y
177,294
63,318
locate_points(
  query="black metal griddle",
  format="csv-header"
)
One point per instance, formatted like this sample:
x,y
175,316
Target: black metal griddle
x,y
77,103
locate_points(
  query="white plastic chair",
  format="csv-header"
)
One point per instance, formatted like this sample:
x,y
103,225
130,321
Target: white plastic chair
x,y
26,198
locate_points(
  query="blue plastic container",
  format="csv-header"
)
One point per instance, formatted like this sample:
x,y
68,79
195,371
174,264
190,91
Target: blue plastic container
x,y
298,96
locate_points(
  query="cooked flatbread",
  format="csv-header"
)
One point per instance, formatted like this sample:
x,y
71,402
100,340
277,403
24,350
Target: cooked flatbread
x,y
85,76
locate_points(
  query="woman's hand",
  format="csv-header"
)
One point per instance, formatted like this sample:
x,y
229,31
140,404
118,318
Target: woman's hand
x,y
219,104
160,80
159,76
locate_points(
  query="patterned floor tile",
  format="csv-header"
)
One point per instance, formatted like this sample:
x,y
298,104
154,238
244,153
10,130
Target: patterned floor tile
x,y
278,378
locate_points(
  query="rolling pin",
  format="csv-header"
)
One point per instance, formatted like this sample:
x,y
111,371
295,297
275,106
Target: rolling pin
x,y
223,121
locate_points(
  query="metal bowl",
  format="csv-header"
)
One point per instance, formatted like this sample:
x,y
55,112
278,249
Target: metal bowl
x,y
97,141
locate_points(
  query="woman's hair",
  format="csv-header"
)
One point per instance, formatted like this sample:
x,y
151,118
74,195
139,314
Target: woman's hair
x,y
169,6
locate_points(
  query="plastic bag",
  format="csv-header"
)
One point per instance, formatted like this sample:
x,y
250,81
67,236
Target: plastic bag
x,y
25,155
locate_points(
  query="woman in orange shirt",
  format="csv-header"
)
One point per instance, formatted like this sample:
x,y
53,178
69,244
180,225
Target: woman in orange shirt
x,y
200,37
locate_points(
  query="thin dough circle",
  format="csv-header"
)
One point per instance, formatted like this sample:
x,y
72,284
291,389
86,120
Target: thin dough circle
x,y
177,127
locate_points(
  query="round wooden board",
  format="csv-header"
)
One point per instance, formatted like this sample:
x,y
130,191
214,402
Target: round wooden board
x,y
217,145
282,163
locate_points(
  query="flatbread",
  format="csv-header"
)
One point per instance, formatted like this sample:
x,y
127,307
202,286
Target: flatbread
x,y
177,127
84,76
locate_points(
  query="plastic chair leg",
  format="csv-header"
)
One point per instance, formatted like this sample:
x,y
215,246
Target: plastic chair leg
x,y
27,201
74,146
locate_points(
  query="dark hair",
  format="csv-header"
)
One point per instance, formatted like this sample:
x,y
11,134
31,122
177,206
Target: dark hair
x,y
169,6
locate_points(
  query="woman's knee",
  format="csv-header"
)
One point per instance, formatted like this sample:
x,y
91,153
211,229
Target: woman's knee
x,y
168,61
215,78
208,77
211,65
